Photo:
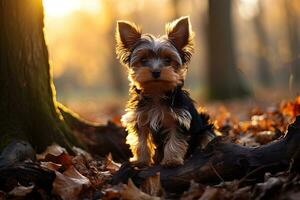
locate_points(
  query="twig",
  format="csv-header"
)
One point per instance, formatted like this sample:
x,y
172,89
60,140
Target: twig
x,y
216,172
254,171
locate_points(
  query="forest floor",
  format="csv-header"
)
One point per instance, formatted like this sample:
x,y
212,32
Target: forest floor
x,y
86,176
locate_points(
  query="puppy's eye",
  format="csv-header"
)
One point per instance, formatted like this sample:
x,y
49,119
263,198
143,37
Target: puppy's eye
x,y
167,61
144,61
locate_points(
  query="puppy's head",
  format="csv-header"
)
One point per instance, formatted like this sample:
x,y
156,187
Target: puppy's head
x,y
155,63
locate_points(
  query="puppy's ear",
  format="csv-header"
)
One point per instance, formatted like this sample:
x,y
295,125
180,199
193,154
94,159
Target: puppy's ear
x,y
180,34
127,34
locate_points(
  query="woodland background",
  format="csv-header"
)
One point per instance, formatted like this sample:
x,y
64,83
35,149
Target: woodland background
x,y
245,72
261,48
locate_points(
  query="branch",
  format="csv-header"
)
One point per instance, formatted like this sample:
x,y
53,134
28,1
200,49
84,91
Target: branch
x,y
222,161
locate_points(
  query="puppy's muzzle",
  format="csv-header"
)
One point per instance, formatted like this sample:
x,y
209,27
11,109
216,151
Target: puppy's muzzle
x,y
156,74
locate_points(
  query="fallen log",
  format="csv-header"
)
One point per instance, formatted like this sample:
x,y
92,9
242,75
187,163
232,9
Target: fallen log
x,y
222,161
17,167
26,174
98,139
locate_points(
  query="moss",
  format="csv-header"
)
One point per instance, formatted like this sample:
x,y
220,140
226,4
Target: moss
x,y
28,107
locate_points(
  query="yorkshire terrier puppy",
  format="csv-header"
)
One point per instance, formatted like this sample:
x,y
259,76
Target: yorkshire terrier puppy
x,y
162,122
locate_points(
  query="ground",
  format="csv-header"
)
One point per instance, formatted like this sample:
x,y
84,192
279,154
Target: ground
x,y
55,174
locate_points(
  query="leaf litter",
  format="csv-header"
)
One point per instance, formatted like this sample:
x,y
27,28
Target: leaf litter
x,y
83,176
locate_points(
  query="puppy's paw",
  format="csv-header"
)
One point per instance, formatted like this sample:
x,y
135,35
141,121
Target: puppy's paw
x,y
172,162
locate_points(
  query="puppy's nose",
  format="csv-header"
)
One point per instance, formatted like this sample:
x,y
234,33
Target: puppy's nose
x,y
156,74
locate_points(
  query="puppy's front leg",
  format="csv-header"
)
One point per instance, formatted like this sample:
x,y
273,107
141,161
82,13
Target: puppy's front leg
x,y
143,149
174,149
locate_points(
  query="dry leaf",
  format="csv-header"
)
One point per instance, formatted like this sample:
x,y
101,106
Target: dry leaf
x,y
112,193
152,186
2,195
51,165
80,152
247,140
21,191
131,192
70,184
92,169
210,193
242,193
195,191
54,150
264,137
291,108
56,154
111,165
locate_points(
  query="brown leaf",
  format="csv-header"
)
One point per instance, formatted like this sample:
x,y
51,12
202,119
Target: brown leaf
x,y
152,186
80,152
2,195
54,150
210,193
112,193
51,165
111,165
21,191
265,189
56,154
242,193
247,140
194,192
291,108
131,192
264,137
70,184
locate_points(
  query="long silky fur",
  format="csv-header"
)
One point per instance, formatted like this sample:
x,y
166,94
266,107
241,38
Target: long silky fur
x,y
187,51
123,52
168,123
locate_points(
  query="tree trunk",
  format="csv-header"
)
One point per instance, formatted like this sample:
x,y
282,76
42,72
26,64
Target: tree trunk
x,y
28,108
224,80
175,9
263,72
120,84
292,23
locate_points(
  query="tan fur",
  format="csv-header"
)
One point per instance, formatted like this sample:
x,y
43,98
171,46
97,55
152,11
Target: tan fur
x,y
175,149
183,117
169,54
177,35
139,136
144,81
139,139
154,116
145,148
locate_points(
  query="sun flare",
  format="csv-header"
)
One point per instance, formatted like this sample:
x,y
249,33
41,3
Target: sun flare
x,y
60,8
248,8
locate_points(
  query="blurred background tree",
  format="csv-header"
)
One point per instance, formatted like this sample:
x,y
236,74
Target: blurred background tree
x,y
224,79
263,65
243,47
292,25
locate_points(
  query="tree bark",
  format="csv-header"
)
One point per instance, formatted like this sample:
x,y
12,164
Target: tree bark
x,y
99,139
28,108
222,161
224,80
